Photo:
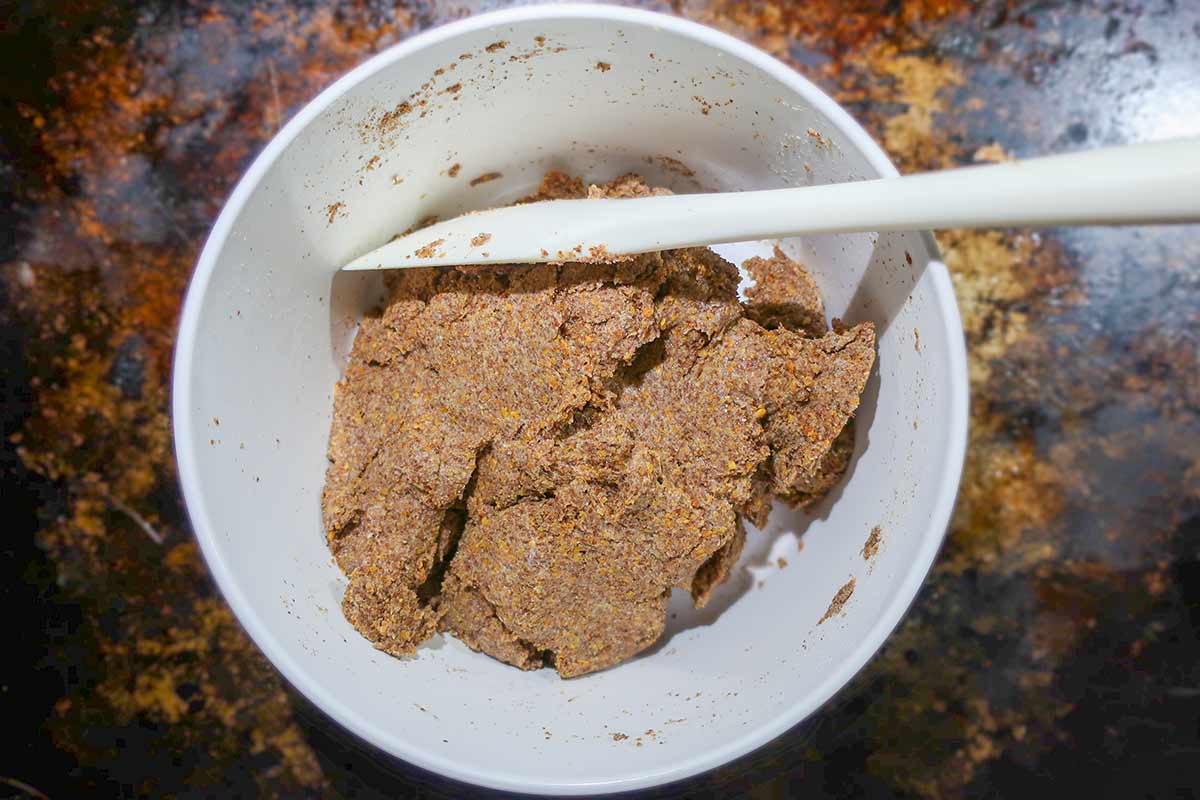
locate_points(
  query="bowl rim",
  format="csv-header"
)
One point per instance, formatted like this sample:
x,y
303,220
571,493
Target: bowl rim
x,y
786,717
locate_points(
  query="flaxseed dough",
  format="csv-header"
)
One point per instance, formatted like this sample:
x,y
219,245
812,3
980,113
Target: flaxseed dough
x,y
531,458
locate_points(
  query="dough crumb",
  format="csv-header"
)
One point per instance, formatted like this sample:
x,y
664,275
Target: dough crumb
x,y
839,601
871,546
784,295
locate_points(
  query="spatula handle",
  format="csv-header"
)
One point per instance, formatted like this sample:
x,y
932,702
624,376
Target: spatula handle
x,y
1157,182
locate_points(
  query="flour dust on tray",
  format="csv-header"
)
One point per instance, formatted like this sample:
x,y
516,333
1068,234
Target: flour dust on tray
x,y
531,457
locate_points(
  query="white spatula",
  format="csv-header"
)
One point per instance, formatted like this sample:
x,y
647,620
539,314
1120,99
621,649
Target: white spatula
x,y
1144,183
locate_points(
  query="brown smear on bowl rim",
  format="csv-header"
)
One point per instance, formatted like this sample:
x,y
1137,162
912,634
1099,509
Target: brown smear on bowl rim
x,y
486,177
674,165
839,601
423,222
821,141
335,210
384,126
537,51
871,547
389,121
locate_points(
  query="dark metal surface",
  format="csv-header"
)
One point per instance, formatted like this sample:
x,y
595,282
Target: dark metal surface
x,y
1056,646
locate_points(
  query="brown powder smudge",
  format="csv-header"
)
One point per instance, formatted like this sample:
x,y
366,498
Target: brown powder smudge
x,y
485,177
494,46
839,601
429,250
390,120
619,737
335,210
423,222
871,547
821,140
603,66
676,166
480,239
453,171
452,89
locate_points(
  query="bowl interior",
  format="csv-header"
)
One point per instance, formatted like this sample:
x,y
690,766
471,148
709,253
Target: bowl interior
x,y
597,92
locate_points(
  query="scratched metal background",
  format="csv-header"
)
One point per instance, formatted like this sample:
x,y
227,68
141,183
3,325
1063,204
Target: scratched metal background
x,y
1056,645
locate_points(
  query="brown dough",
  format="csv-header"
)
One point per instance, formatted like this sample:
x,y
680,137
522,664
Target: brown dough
x,y
532,458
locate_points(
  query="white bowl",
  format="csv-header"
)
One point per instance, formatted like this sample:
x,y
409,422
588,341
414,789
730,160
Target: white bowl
x,y
265,328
